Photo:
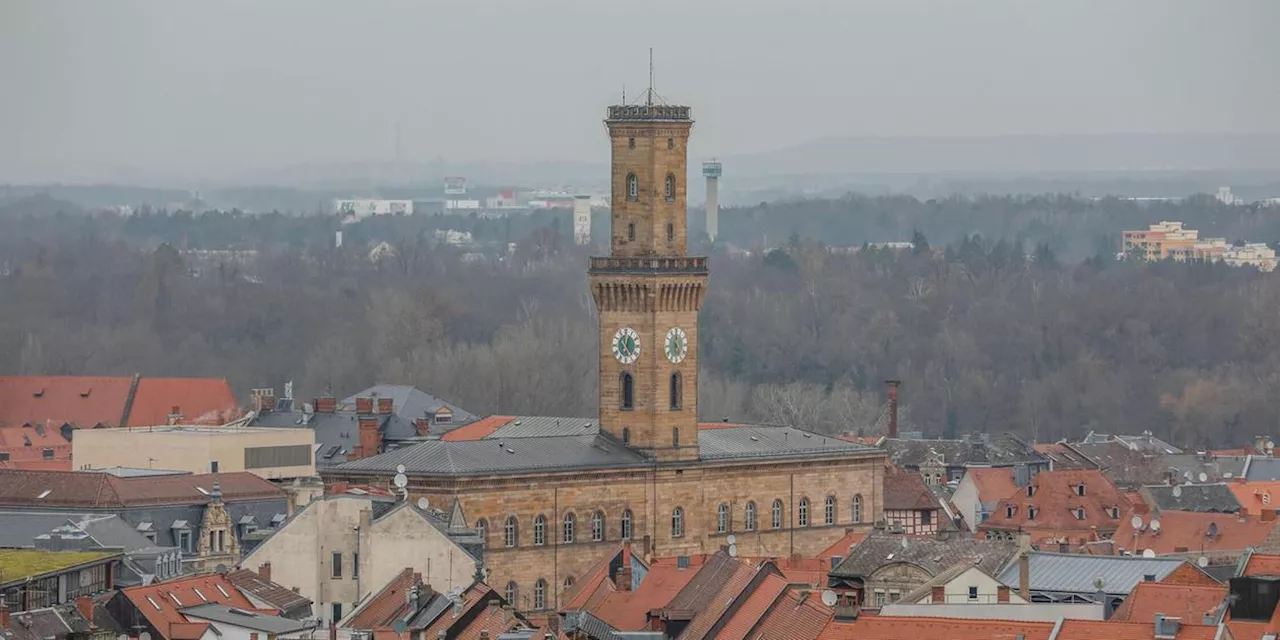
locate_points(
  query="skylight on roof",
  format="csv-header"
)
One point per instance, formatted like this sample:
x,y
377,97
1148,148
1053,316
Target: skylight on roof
x,y
200,594
201,490
222,591
44,494
153,603
174,599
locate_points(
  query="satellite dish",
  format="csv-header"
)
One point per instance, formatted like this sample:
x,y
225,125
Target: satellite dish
x,y
1148,553
1187,475
1177,492
1269,446
400,481
1203,476
424,504
732,539
1155,525
829,598
733,551
399,468
1202,561
1136,522
122,636
144,636
1099,582
904,543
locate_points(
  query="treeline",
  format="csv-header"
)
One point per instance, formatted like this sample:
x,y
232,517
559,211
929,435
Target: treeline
x,y
986,335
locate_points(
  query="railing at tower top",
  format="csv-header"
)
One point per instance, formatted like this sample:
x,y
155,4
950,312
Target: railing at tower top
x,y
679,264
648,112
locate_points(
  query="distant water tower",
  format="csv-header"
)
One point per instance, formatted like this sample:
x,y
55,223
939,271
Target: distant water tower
x,y
711,171
581,219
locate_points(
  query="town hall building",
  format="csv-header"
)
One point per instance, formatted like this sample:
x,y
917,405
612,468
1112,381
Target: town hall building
x,y
553,496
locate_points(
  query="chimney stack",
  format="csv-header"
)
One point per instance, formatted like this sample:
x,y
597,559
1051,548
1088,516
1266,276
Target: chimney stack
x,y
4,614
423,426
622,580
370,438
364,406
384,406
84,605
262,400
326,404
175,415
1024,575
893,407
264,571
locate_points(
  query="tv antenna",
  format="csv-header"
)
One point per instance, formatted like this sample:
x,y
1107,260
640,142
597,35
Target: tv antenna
x,y
650,99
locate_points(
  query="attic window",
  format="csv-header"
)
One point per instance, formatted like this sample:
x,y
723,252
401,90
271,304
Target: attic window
x,y
39,393
1031,490
201,595
86,392
47,453
4,455
1079,514
1009,511
1031,512
1115,513
1080,489
201,490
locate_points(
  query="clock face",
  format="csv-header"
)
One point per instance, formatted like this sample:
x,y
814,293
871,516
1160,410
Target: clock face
x,y
677,345
626,345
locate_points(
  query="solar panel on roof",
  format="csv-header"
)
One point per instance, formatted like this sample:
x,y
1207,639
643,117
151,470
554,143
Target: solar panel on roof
x,y
332,450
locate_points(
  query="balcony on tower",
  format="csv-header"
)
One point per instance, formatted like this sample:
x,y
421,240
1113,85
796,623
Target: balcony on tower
x,y
648,113
648,264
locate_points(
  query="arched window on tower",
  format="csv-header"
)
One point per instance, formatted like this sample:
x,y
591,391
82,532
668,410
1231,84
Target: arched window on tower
x,y
671,186
722,518
677,522
540,530
511,532
626,435
628,391
631,143
676,389
671,232
749,519
675,437
631,231
626,524
671,144
633,187
857,508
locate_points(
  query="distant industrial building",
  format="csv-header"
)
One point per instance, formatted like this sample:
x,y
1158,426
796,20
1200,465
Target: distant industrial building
x,y
711,170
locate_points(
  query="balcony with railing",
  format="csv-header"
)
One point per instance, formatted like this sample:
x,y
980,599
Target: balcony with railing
x,y
650,264
648,112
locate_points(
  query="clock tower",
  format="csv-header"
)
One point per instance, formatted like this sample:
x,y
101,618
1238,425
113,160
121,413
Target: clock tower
x,y
647,291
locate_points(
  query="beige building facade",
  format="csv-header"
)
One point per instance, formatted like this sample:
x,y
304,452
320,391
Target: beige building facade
x,y
340,548
268,453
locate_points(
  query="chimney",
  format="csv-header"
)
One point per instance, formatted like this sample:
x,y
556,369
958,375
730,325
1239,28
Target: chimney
x,y
4,614
262,400
1024,575
370,439
893,407
333,630
175,415
264,571
384,406
622,579
326,404
84,606
938,595
1002,594
364,406
1268,515
423,426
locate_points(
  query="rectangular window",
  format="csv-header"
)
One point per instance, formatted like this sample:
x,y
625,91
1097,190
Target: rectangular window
x,y
184,541
336,612
298,455
973,593
894,596
222,541
213,466
4,455
879,597
355,565
337,565
47,454
926,517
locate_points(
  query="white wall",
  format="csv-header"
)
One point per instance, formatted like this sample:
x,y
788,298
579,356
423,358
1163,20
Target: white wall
x,y
966,500
1043,612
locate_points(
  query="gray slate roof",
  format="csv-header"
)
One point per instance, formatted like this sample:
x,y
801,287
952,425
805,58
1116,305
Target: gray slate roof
x,y
1001,450
18,529
248,619
549,443
1261,468
1075,573
1216,498
930,554
410,403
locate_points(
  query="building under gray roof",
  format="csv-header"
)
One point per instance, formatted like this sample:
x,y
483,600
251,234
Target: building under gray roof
x,y
271,624
1061,576
548,444
410,403
933,555
1213,498
981,450
1261,468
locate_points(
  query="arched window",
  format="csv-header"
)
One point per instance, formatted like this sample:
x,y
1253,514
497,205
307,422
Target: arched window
x,y
777,514
626,524
856,512
829,511
568,582
631,231
567,538
511,531
675,437
671,232
676,391
482,526
677,522
597,526
671,144
722,518
511,593
804,512
631,143
540,530
671,187
626,435
628,391
749,517
633,187
540,594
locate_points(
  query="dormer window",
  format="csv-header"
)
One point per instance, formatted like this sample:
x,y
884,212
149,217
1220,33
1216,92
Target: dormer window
x,y
1079,513
1080,489
1031,490
1009,510
1115,513
1031,512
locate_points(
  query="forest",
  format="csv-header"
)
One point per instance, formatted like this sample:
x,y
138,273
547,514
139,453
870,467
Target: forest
x,y
987,333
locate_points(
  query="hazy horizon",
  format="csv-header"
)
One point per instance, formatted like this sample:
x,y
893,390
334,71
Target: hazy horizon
x,y
215,91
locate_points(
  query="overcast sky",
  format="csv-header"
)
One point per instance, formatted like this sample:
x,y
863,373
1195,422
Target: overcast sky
x,y
92,90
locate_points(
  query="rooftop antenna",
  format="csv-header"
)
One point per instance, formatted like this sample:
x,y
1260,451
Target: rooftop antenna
x,y
649,99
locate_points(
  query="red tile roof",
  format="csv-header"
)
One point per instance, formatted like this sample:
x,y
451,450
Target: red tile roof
x,y
25,447
187,630
1256,496
387,605
756,605
907,491
493,619
281,597
910,628
97,490
1261,564
724,585
627,610
1188,531
993,484
841,547
1050,513
160,603
86,401
474,596
1179,601
478,430
796,616
1107,630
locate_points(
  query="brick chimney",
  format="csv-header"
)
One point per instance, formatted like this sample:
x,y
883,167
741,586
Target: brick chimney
x,y
364,406
622,580
938,595
423,425
4,614
264,571
84,606
1024,575
175,415
326,404
1002,593
262,400
893,407
370,439
384,406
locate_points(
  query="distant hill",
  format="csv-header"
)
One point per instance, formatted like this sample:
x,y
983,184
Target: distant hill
x,y
38,205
